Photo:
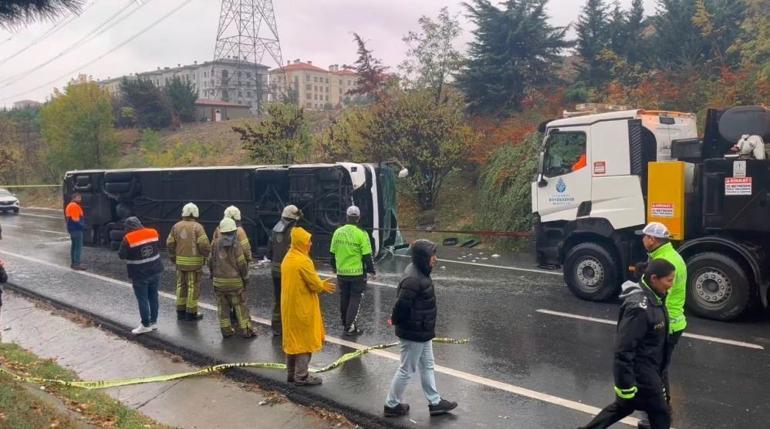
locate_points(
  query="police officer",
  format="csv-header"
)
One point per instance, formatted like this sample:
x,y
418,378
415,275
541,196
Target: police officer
x,y
280,241
656,240
351,259
640,349
188,247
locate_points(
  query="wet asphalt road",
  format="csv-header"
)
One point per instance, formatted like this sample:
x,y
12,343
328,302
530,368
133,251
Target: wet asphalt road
x,y
533,345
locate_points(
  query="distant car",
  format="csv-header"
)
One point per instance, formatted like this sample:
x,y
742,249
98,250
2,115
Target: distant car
x,y
8,201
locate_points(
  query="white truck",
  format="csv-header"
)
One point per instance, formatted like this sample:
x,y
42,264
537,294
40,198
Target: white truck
x,y
603,176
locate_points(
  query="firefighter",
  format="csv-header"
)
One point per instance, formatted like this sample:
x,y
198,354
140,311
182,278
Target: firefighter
x,y
640,349
351,259
235,214
230,273
188,247
280,241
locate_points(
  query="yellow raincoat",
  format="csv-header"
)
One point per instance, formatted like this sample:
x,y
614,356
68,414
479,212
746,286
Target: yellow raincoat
x,y
303,325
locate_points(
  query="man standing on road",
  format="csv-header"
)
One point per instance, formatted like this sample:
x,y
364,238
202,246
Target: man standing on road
x,y
277,247
230,273
188,247
656,240
75,226
414,316
351,253
303,324
141,250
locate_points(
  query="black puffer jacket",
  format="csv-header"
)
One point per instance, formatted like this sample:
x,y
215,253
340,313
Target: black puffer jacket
x,y
414,314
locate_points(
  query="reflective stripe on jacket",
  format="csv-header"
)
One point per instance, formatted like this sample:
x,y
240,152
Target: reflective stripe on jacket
x,y
141,250
188,246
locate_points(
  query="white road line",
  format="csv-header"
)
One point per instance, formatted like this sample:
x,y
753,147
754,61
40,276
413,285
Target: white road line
x,y
510,388
502,267
371,282
31,229
686,334
61,218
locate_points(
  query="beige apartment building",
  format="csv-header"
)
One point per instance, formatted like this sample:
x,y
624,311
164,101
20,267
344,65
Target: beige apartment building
x,y
316,88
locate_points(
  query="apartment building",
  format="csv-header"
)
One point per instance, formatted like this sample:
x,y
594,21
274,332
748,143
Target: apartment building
x,y
225,80
316,88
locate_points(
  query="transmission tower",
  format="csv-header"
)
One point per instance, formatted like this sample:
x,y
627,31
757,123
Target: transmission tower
x,y
247,31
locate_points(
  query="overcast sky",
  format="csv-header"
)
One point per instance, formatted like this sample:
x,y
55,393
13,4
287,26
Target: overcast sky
x,y
316,30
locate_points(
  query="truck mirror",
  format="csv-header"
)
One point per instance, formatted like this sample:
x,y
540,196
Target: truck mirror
x,y
541,182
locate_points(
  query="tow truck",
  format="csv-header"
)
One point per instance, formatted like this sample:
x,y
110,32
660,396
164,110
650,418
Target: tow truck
x,y
602,176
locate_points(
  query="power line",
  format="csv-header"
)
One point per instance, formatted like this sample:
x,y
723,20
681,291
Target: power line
x,y
120,45
58,26
101,28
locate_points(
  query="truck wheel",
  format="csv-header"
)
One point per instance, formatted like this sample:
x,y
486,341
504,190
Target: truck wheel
x,y
717,287
590,272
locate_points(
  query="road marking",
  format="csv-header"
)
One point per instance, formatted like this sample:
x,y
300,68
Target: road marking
x,y
502,267
32,229
371,282
510,388
686,334
43,216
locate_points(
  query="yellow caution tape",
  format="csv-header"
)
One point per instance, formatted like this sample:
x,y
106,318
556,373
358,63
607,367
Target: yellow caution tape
x,y
104,384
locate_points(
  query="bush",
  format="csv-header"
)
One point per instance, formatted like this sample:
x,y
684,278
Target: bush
x,y
504,187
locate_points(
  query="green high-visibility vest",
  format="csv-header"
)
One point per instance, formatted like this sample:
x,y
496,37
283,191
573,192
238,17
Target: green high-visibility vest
x,y
349,245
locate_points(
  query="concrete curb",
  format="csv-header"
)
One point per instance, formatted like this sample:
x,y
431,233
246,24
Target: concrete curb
x,y
304,397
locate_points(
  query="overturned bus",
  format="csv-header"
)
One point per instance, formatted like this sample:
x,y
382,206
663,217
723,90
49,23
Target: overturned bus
x,y
321,191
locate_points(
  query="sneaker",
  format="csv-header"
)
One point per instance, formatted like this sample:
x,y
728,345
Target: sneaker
x,y
181,315
193,317
154,326
310,380
397,411
78,268
442,407
227,333
141,329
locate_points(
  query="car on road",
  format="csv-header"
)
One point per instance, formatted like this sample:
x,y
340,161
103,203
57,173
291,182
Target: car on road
x,y
9,202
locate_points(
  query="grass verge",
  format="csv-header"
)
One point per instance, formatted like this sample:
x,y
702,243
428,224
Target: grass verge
x,y
21,408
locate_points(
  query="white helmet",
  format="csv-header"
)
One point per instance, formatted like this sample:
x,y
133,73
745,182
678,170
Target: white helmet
x,y
291,212
190,210
233,213
227,225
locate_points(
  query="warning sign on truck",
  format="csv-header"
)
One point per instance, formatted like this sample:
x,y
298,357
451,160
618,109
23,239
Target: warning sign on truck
x,y
737,186
662,210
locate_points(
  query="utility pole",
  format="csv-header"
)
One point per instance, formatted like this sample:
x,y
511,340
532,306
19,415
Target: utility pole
x,y
247,31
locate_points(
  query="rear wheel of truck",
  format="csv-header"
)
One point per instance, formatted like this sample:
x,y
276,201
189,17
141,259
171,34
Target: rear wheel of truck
x,y
590,272
717,286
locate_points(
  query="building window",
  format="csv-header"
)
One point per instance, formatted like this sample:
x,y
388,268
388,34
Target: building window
x,y
340,81
309,105
207,75
248,75
308,87
327,98
327,80
309,96
327,89
248,93
307,78
315,78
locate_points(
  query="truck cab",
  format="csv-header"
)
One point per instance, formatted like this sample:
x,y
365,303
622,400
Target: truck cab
x,y
601,177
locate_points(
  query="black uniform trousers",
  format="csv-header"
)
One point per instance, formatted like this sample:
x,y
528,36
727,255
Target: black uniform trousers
x,y
673,340
648,400
275,321
351,294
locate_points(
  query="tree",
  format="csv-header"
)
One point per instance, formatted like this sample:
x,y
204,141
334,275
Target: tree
x,y
281,138
15,12
151,109
431,57
431,138
515,51
10,151
77,126
181,96
593,31
371,73
635,49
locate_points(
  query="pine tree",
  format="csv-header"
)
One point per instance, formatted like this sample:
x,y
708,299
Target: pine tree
x,y
371,73
636,45
515,51
678,42
593,31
